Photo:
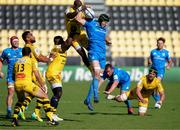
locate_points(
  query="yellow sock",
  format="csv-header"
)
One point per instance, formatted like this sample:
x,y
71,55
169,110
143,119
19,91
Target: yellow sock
x,y
38,106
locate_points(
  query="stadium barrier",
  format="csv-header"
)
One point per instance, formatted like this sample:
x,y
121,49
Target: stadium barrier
x,y
80,73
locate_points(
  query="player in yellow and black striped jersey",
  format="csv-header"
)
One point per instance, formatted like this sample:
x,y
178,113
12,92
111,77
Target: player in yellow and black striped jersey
x,y
36,55
76,31
24,68
54,71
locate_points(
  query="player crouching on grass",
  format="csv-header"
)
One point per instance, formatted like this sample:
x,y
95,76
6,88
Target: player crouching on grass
x,y
117,78
24,68
144,89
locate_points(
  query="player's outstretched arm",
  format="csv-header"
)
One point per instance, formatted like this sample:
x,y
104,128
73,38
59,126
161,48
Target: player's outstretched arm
x,y
113,86
169,64
40,81
108,40
67,44
140,97
45,59
80,19
149,61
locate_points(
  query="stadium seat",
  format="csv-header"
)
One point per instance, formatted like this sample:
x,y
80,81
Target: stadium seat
x,y
159,34
144,34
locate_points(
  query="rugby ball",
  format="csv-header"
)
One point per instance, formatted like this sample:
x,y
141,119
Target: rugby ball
x,y
89,13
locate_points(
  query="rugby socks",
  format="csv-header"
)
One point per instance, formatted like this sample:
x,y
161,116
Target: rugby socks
x,y
9,109
47,108
26,103
128,103
16,110
39,104
90,92
57,92
95,88
54,103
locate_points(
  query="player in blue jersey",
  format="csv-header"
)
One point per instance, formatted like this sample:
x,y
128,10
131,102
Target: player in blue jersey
x,y
97,34
160,60
10,55
118,78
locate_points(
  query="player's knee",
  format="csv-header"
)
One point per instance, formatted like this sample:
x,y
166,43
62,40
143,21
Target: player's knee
x,y
123,97
11,92
142,110
97,73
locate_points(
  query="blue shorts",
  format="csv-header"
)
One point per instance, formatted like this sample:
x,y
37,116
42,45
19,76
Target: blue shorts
x,y
96,56
122,86
160,73
125,86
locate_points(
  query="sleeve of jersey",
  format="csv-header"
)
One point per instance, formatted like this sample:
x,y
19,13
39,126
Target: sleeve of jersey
x,y
140,83
115,77
36,52
34,65
160,87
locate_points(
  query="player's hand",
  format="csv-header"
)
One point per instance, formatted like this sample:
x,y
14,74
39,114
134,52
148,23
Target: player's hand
x,y
110,97
1,75
51,57
158,104
168,67
144,101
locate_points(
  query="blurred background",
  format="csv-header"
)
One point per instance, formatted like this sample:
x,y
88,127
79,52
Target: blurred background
x,y
135,25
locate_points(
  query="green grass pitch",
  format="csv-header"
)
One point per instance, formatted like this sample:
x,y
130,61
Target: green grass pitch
x,y
107,114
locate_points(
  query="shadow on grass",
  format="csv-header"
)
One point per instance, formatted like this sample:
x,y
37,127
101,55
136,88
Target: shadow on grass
x,y
102,113
72,120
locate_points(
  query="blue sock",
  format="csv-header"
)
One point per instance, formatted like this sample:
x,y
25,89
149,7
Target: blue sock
x,y
156,96
95,87
128,103
90,92
9,110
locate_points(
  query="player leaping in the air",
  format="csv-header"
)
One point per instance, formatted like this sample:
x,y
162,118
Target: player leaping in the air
x,y
76,31
98,38
54,71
